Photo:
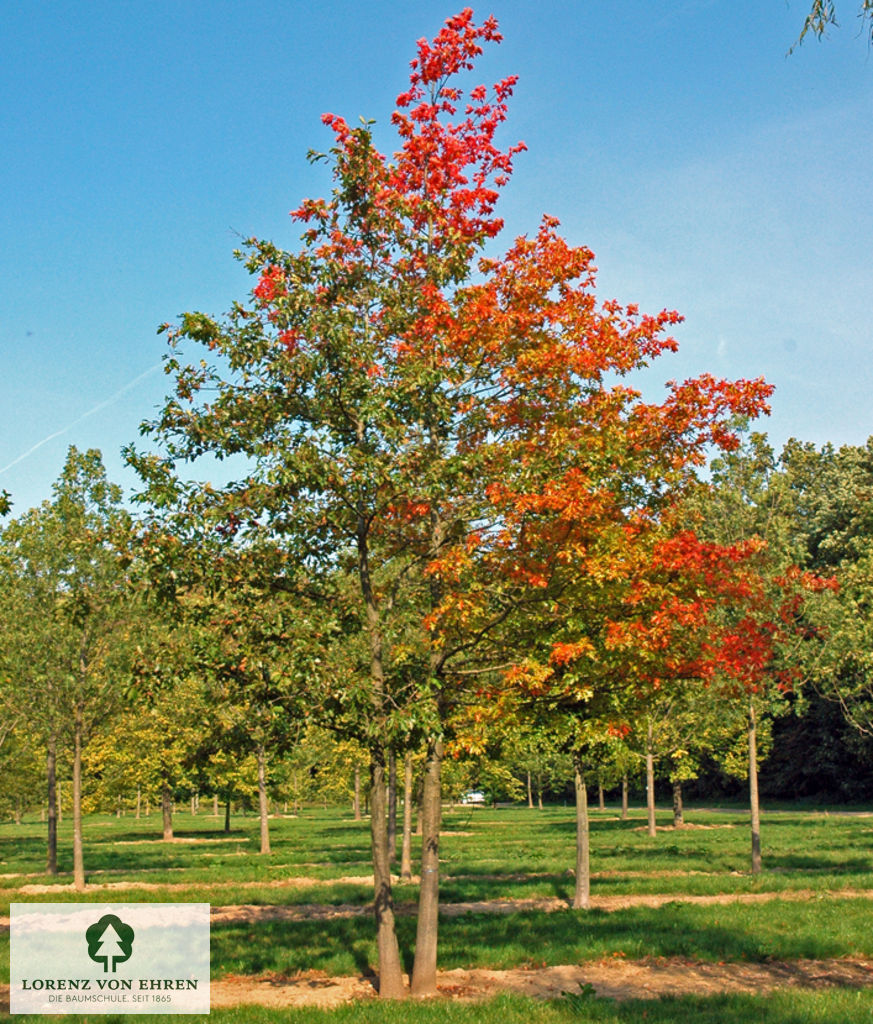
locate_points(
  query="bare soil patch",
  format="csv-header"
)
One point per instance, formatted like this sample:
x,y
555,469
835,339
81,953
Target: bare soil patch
x,y
276,883
613,978
182,840
687,826
251,913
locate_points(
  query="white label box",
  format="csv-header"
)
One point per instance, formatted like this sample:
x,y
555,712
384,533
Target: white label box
x,y
109,958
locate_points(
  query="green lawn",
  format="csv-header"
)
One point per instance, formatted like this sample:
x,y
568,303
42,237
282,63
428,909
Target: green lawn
x,y
489,854
787,1007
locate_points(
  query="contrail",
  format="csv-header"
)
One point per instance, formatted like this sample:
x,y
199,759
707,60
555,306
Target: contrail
x,y
84,416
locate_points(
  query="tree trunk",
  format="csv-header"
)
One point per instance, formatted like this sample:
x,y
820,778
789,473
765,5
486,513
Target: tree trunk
x,y
753,790
227,816
582,893
78,857
406,844
426,935
624,797
214,805
263,807
391,984
138,801
601,798
539,791
167,809
51,767
678,812
356,806
650,781
390,973
392,806
193,806
530,802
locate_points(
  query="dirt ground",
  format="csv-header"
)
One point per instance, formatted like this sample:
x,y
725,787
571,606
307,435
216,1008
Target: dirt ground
x,y
614,978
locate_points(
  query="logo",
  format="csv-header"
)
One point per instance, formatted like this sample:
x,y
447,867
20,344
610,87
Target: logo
x,y
110,941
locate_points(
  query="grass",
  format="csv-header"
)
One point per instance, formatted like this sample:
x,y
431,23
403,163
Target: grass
x,y
786,1007
489,854
801,849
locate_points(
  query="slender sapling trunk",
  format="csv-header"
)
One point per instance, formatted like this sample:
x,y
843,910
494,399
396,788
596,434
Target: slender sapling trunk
x,y
650,781
390,972
755,806
263,807
166,809
392,806
426,936
678,810
406,844
78,856
582,893
51,762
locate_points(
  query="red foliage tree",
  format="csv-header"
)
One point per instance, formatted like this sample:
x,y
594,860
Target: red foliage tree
x,y
460,432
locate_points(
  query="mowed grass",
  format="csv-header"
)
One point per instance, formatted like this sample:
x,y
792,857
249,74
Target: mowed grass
x,y
491,854
785,1007
486,854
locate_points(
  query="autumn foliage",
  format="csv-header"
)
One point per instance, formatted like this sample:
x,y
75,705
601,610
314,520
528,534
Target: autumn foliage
x,y
460,431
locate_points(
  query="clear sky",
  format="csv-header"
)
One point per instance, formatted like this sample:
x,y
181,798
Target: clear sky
x,y
709,172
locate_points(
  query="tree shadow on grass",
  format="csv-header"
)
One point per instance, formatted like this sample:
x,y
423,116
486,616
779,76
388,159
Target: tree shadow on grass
x,y
338,946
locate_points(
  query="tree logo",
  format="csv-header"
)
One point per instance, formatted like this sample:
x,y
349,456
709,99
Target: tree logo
x,y
110,941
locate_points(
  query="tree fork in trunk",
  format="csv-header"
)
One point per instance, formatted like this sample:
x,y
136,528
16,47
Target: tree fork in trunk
x,y
755,806
582,893
390,972
406,843
426,935
263,808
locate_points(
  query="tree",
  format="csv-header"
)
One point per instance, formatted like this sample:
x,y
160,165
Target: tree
x,y
831,491
441,428
762,631
66,601
823,14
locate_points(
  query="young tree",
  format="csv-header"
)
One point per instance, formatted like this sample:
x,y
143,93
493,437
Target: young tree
x,y
408,411
67,602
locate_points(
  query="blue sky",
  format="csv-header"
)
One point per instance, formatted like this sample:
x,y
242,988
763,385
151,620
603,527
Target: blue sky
x,y
709,172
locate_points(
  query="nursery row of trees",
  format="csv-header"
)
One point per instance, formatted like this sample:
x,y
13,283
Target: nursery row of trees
x,y
457,525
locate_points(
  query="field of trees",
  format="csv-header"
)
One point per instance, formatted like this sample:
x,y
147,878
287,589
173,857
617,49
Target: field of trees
x,y
408,531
